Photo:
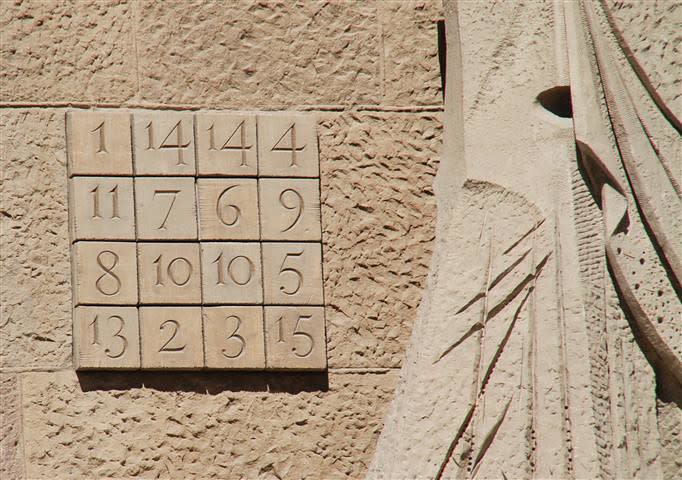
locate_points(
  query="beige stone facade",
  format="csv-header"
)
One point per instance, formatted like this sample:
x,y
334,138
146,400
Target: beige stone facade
x,y
368,72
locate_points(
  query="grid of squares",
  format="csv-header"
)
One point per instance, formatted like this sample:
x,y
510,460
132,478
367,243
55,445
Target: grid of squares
x,y
196,240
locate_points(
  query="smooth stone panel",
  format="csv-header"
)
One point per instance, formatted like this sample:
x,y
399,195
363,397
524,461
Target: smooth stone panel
x,y
228,209
102,208
292,273
226,144
98,142
231,273
171,337
295,338
233,337
290,209
287,145
165,208
163,143
106,337
170,273
105,273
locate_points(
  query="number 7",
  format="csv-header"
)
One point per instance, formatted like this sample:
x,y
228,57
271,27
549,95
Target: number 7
x,y
170,207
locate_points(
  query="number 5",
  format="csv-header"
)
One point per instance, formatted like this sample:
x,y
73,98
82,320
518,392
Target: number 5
x,y
298,275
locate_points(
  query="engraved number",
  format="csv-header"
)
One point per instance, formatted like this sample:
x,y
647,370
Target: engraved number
x,y
124,340
234,335
174,193
236,274
297,274
179,270
296,204
96,203
242,147
99,131
175,327
281,147
298,333
106,288
228,214
167,142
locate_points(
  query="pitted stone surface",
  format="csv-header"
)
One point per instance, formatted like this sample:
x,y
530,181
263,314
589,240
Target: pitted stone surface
x,y
273,54
378,219
11,461
59,51
35,291
173,431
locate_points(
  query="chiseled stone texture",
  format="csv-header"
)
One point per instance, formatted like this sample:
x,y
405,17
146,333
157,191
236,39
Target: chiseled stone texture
x,y
652,31
57,50
35,291
410,50
181,429
268,54
378,220
11,462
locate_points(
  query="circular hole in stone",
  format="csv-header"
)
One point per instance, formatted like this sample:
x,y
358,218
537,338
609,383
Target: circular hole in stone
x,y
557,100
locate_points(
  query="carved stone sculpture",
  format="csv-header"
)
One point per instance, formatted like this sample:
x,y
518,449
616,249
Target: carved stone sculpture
x,y
549,341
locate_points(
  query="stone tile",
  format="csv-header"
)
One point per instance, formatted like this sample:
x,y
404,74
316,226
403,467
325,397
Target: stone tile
x,y
292,273
171,338
165,209
231,273
105,273
11,448
410,48
194,425
378,223
226,144
102,208
228,209
295,338
290,209
270,54
35,291
163,142
99,143
287,145
169,273
106,338
233,337
59,51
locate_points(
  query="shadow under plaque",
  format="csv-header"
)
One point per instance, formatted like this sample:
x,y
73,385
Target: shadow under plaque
x,y
207,382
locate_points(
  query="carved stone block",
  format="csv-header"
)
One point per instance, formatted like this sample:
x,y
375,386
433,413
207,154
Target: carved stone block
x,y
98,143
233,337
292,273
290,209
102,208
106,337
163,143
228,209
231,273
226,144
165,209
295,338
105,273
169,273
171,337
287,146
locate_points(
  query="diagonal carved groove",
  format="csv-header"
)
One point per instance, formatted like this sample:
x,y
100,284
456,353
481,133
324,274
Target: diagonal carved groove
x,y
490,436
523,237
474,328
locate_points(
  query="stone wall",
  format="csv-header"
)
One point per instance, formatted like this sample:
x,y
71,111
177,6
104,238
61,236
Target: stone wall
x,y
369,71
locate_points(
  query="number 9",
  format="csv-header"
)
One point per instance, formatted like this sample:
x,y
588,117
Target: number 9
x,y
297,204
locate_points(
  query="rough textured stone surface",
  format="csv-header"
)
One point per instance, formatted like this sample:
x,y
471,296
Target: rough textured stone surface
x,y
377,218
269,54
73,51
177,429
652,31
410,52
11,456
35,291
